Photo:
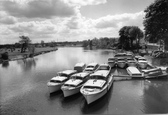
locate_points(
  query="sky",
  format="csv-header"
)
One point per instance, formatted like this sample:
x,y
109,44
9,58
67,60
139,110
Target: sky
x,y
68,20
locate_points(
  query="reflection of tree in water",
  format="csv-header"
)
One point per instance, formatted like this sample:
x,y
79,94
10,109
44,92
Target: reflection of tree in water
x,y
27,64
155,96
5,64
160,62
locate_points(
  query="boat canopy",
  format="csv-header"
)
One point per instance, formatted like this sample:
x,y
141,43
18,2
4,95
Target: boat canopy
x,y
103,73
94,83
80,75
67,72
80,64
59,78
104,67
91,65
133,71
73,82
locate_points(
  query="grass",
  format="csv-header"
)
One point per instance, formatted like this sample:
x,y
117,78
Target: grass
x,y
15,55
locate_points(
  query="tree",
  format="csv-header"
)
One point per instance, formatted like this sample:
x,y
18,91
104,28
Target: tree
x,y
128,34
42,43
156,21
25,41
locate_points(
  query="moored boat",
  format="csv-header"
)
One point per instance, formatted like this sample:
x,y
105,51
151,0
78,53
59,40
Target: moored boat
x,y
131,62
56,82
112,62
73,85
98,84
154,73
134,72
91,67
142,62
121,62
79,67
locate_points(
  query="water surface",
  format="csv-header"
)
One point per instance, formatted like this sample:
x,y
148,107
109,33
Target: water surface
x,y
23,87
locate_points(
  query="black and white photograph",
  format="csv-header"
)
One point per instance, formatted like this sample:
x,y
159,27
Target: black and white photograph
x,y
83,57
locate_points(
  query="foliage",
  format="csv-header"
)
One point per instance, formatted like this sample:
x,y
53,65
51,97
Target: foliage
x,y
101,43
25,41
156,21
4,56
129,34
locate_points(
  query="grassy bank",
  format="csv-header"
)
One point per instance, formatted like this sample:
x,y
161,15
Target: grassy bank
x,y
16,55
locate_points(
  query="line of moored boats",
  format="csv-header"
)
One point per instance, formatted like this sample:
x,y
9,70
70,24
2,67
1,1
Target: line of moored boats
x,y
94,80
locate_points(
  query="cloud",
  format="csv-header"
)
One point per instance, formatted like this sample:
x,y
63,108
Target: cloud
x,y
34,28
117,21
38,8
5,19
85,2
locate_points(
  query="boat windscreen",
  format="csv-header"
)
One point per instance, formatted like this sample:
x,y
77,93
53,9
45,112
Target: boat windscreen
x,y
62,74
92,87
104,68
77,77
97,77
55,81
69,85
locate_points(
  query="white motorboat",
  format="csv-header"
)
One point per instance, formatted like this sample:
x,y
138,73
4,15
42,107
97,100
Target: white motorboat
x,y
154,73
91,67
121,62
80,67
142,62
131,62
56,82
98,85
119,55
73,85
134,72
112,62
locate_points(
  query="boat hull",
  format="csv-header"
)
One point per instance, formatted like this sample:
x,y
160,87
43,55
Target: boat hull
x,y
112,64
93,97
54,88
121,64
69,92
131,64
90,98
143,65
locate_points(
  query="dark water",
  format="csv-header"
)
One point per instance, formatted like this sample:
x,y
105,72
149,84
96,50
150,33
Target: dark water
x,y
23,87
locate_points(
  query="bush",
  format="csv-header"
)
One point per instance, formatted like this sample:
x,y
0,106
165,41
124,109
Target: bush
x,y
4,56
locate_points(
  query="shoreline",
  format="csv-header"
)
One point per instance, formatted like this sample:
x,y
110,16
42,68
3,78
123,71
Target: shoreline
x,y
19,56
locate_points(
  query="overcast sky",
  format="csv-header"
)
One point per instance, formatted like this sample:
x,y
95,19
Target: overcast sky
x,y
67,20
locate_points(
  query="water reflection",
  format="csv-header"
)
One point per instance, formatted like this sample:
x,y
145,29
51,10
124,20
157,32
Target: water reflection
x,y
5,64
27,64
155,96
24,83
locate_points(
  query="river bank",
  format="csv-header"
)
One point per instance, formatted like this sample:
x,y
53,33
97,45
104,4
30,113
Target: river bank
x,y
16,55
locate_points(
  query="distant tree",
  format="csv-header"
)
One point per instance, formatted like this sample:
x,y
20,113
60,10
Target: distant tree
x,y
42,43
25,41
156,21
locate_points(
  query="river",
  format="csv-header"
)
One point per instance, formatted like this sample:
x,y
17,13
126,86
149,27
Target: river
x,y
23,87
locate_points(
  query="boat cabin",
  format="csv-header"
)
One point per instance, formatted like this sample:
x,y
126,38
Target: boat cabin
x,y
79,67
80,76
104,67
67,73
94,83
91,67
73,82
134,72
58,79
